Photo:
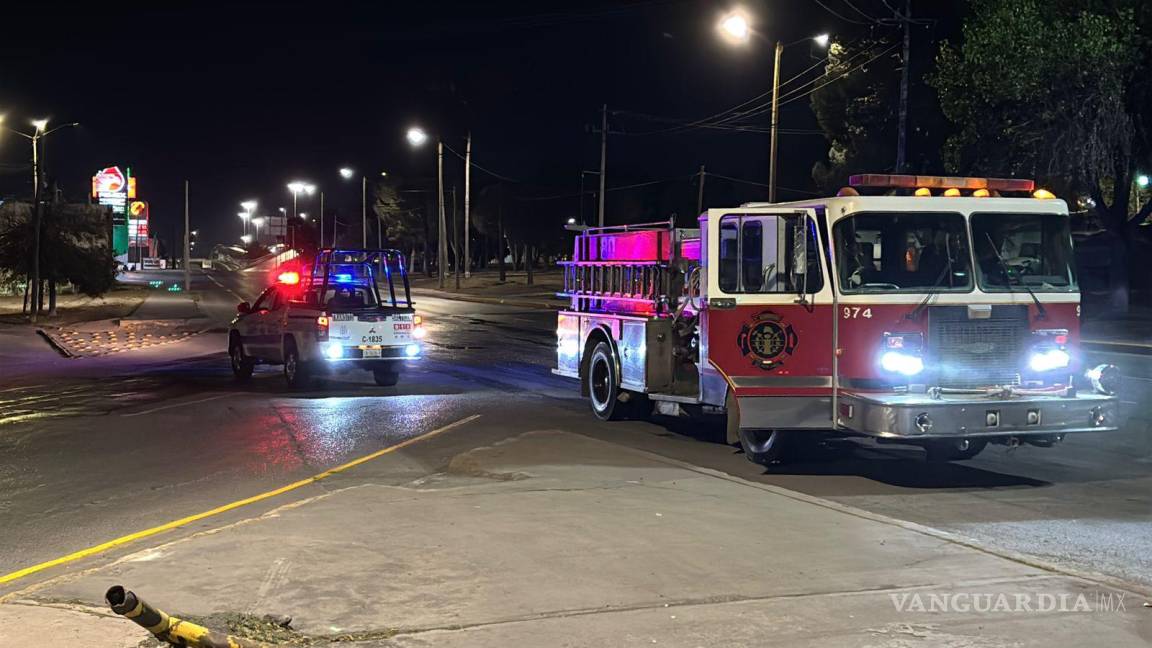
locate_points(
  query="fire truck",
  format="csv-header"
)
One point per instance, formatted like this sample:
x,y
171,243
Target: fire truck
x,y
934,311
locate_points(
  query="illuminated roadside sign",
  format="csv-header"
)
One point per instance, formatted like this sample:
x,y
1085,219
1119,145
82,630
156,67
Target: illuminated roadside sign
x,y
138,223
113,188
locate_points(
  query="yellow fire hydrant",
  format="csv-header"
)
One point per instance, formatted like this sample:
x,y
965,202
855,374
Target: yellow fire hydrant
x,y
175,631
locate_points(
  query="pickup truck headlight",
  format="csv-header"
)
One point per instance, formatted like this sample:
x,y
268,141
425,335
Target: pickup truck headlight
x,y
333,351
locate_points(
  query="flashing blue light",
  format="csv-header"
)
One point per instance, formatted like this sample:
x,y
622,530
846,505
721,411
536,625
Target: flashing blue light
x,y
343,277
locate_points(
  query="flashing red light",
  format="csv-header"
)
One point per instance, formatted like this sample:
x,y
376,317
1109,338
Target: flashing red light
x,y
940,182
289,278
1061,339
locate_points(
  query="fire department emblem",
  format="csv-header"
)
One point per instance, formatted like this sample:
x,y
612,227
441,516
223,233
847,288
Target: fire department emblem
x,y
767,340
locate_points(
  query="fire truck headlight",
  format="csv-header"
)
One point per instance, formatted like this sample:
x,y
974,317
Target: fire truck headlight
x,y
1105,379
333,351
412,350
1049,360
902,363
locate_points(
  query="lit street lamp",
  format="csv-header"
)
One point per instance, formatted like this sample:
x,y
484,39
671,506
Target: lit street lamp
x,y
245,238
257,222
249,207
41,126
417,138
736,28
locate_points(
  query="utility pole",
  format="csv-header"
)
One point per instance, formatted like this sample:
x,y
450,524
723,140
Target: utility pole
x,y
467,208
700,193
456,240
603,157
37,214
187,243
775,122
364,211
321,219
442,248
902,129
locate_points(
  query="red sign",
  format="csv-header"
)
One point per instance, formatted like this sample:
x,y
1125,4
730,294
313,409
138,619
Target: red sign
x,y
110,180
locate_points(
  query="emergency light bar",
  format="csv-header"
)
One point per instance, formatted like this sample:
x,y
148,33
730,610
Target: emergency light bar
x,y
940,182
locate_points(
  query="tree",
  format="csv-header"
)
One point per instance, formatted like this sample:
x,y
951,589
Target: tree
x,y
75,246
1055,90
855,106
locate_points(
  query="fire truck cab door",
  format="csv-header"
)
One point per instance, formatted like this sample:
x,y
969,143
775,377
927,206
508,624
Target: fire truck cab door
x,y
768,327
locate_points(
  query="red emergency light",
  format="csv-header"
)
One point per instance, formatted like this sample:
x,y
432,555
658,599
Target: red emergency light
x,y
888,181
290,278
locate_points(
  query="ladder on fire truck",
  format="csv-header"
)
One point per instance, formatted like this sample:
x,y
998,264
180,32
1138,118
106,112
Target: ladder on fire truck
x,y
630,268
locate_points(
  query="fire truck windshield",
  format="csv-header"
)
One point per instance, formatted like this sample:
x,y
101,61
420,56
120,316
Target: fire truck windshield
x,y
903,252
1031,250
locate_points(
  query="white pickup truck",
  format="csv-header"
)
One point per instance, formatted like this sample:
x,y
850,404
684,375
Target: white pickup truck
x,y
347,309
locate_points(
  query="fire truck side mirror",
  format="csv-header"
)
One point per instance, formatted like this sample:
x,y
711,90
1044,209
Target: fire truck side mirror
x,y
800,258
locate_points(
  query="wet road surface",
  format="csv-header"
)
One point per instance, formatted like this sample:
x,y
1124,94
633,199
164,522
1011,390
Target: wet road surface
x,y
93,452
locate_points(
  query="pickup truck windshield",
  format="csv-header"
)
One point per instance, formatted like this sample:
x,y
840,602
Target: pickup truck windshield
x,y
903,252
1033,250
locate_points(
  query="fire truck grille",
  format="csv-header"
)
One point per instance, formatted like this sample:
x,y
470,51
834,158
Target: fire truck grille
x,y
970,353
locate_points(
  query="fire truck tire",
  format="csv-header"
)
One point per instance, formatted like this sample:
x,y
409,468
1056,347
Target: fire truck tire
x,y
938,451
604,385
296,372
242,366
385,377
766,447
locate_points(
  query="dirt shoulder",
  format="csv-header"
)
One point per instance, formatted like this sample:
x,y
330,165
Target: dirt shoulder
x,y
72,309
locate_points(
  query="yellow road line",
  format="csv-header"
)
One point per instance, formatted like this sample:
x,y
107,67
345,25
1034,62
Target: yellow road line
x,y
132,537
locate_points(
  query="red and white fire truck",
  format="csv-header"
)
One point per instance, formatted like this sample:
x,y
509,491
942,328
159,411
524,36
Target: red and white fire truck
x,y
936,311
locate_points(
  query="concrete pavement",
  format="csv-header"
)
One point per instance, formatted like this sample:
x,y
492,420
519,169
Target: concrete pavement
x,y
549,538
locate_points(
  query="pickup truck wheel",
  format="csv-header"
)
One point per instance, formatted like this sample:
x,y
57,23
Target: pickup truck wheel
x,y
241,365
766,447
295,370
604,385
386,377
957,450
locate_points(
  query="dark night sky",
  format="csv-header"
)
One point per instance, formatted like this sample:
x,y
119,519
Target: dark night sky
x,y
240,98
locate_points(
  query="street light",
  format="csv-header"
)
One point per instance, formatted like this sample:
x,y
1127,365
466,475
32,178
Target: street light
x,y
41,126
257,222
245,238
346,173
417,136
1143,181
736,28
303,215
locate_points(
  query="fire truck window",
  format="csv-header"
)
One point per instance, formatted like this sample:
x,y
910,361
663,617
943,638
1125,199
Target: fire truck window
x,y
757,255
903,252
1033,250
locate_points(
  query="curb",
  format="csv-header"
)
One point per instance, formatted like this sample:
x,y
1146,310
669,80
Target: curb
x,y
1135,348
56,346
488,300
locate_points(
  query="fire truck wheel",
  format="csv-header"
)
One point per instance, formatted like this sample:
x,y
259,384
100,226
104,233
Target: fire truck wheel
x,y
604,385
958,450
385,377
241,365
766,447
295,370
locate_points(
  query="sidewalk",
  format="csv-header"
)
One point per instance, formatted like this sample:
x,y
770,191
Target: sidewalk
x,y
555,539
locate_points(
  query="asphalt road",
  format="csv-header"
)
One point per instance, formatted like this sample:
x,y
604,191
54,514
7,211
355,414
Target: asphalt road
x,y
129,442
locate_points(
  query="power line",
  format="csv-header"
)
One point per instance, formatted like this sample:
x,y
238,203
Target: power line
x,y
840,16
759,184
843,75
857,10
488,171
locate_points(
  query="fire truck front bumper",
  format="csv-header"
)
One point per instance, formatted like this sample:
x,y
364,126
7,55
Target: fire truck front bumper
x,y
919,416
